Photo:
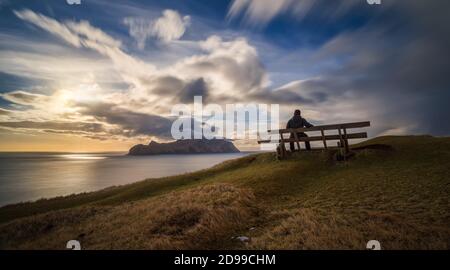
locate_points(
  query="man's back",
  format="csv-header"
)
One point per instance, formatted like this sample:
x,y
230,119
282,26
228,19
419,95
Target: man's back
x,y
298,122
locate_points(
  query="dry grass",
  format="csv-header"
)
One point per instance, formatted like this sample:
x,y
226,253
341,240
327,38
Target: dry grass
x,y
203,217
315,229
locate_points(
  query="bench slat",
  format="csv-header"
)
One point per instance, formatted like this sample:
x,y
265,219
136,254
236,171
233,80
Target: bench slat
x,y
324,127
360,135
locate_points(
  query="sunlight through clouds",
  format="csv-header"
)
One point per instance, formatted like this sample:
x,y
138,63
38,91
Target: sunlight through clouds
x,y
115,76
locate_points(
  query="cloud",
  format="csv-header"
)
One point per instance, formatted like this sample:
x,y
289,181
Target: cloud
x,y
140,29
58,63
24,98
130,122
84,30
5,112
82,34
50,25
39,107
180,90
90,130
170,26
306,92
197,87
76,34
229,67
92,136
260,12
61,126
231,63
165,85
103,119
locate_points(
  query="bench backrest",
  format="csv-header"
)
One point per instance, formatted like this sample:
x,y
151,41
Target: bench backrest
x,y
324,127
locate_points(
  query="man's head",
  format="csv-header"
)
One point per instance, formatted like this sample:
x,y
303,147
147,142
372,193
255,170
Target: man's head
x,y
297,112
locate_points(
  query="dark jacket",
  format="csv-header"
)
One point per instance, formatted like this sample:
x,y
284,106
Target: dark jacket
x,y
298,122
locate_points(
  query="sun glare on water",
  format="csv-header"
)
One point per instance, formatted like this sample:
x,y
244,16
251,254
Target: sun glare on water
x,y
82,156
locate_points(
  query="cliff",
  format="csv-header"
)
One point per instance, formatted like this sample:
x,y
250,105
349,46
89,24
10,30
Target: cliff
x,y
184,147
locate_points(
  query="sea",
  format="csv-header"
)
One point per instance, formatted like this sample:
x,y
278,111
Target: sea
x,y
32,176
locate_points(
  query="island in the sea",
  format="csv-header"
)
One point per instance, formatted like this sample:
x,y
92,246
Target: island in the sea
x,y
190,146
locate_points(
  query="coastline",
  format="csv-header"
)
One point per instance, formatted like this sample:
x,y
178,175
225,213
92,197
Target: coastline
x,y
28,177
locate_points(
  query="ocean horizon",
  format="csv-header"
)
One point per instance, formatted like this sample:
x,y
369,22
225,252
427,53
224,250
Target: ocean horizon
x,y
30,176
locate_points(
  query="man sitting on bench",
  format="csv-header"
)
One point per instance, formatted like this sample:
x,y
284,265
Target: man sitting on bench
x,y
297,121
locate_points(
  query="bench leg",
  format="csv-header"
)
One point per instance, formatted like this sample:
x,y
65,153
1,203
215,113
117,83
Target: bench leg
x,y
283,145
279,152
296,140
347,149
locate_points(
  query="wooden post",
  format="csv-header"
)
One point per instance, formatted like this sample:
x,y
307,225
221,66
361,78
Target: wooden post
x,y
347,150
323,139
283,147
297,141
340,138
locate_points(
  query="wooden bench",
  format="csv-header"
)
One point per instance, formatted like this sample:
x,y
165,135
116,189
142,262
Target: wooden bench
x,y
342,136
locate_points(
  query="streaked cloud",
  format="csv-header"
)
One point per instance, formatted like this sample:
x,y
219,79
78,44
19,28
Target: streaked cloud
x,y
24,98
170,26
82,34
62,126
131,123
5,112
258,12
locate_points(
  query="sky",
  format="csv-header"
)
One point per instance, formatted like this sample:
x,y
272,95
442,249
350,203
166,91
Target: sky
x,y
104,75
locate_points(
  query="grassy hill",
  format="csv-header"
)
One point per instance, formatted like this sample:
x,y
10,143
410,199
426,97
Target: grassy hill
x,y
394,190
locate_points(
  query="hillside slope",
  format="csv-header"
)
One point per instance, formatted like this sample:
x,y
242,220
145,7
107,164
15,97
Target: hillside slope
x,y
395,190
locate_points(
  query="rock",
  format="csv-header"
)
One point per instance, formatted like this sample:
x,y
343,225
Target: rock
x,y
243,238
184,147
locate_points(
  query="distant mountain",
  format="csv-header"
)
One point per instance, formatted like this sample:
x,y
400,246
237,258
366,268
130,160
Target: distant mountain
x,y
184,147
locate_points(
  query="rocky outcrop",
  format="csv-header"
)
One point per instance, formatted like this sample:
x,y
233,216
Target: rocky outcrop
x,y
184,147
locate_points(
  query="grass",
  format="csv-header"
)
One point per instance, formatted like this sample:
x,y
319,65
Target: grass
x,y
395,190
